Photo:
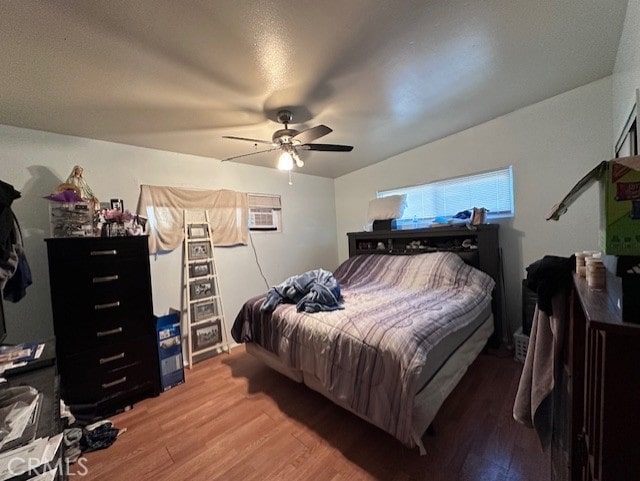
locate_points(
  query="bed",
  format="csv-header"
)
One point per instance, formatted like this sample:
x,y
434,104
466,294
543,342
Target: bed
x,y
410,327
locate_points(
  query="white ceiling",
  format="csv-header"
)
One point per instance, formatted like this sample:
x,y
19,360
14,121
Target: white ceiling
x,y
386,76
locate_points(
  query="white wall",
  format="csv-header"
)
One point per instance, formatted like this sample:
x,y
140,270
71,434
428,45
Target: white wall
x,y
626,73
36,162
551,145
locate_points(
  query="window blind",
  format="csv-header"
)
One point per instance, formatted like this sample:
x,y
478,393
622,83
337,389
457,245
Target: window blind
x,y
491,190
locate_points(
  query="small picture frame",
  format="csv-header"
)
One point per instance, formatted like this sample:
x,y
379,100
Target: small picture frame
x,y
200,269
203,311
198,231
117,204
206,335
199,250
201,289
169,342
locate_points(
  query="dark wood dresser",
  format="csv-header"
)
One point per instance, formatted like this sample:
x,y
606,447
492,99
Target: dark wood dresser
x,y
604,366
103,322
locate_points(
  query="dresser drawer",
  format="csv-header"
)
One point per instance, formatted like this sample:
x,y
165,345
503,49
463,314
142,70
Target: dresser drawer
x,y
104,303
100,314
114,404
92,288
106,273
107,358
95,332
91,385
93,375
96,249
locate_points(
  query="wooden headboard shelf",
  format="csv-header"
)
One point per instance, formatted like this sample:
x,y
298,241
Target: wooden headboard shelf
x,y
478,247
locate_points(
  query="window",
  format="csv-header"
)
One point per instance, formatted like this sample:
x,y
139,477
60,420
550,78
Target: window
x,y
491,190
264,212
627,144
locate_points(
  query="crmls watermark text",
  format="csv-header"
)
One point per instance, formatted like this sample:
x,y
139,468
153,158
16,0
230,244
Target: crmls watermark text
x,y
18,465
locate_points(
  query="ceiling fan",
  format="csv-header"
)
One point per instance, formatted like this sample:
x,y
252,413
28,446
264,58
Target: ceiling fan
x,y
290,141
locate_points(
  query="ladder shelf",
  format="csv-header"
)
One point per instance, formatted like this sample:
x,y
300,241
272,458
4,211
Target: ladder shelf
x,y
205,330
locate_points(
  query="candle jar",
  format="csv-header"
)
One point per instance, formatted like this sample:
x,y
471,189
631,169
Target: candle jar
x,y
596,273
581,268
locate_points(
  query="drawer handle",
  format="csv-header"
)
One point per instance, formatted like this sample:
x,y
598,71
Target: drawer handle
x,y
112,252
117,330
97,307
98,280
104,360
106,385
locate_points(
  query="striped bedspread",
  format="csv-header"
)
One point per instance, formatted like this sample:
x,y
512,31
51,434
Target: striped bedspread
x,y
370,354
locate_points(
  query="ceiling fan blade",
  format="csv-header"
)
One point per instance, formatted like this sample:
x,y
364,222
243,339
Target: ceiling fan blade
x,y
250,153
327,147
312,134
255,141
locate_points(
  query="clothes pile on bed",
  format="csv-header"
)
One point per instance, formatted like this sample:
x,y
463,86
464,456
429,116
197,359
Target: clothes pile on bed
x,y
370,354
313,291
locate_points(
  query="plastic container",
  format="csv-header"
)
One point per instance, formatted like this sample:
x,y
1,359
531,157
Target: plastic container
x,y
71,219
521,342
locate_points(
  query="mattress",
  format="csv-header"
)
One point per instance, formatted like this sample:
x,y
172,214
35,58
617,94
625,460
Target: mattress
x,y
437,357
442,378
441,352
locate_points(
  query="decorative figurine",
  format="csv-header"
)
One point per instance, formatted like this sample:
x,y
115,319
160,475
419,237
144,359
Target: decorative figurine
x,y
76,178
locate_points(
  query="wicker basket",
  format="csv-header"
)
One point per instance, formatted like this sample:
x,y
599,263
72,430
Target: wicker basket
x,y
521,342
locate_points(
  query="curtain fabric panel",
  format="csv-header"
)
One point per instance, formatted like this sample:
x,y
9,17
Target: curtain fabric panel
x,y
164,208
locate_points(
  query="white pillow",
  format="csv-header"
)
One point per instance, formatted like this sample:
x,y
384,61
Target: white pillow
x,y
391,207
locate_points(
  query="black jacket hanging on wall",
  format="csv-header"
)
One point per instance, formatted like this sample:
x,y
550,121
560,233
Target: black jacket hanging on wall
x,y
16,287
7,195
15,274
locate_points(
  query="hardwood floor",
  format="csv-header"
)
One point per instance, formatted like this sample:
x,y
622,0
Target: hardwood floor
x,y
234,418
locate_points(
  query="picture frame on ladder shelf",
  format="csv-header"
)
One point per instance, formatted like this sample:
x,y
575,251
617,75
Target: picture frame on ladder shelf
x,y
200,269
203,311
201,289
199,250
206,335
198,231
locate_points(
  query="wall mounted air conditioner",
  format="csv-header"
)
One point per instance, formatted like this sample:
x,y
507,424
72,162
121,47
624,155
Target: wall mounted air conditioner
x,y
262,219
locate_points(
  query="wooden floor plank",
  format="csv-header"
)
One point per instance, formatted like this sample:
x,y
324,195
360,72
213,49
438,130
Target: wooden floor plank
x,y
234,418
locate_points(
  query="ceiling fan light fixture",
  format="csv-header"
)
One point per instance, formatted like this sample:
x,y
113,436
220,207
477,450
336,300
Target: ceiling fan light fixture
x,y
297,158
285,162
290,140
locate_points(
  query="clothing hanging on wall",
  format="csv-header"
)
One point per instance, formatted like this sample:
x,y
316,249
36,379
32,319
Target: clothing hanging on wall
x,y
15,273
164,206
16,287
7,195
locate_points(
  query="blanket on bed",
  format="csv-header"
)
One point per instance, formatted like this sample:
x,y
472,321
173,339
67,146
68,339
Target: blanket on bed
x,y
369,355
